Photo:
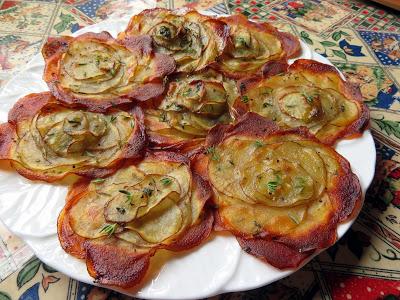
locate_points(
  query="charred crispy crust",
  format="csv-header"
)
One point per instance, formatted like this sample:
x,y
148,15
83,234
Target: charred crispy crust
x,y
274,253
349,90
124,266
290,44
115,266
53,52
290,250
28,106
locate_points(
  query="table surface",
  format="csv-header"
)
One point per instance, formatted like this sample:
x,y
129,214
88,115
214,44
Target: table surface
x,y
362,39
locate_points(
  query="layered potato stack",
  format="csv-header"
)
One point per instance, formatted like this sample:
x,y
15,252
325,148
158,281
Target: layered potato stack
x,y
182,125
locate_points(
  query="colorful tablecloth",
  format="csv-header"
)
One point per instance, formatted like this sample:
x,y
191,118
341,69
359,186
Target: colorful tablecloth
x,y
362,39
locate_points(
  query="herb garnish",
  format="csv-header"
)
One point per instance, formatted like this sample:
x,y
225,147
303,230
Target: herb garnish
x,y
121,210
113,118
258,144
166,181
245,99
214,155
98,180
147,191
273,184
128,195
309,98
109,228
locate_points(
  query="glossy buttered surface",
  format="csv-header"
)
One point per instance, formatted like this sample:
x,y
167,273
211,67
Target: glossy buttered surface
x,y
225,265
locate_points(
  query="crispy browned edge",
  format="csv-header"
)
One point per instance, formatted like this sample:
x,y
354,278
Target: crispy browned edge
x,y
287,251
120,267
290,43
220,28
351,91
54,49
31,104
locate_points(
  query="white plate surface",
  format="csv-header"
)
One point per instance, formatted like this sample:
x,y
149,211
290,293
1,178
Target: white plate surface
x,y
30,209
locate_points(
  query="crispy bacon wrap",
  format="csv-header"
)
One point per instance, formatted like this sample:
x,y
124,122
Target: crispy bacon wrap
x,y
280,192
96,71
193,105
252,45
192,39
46,141
116,224
307,93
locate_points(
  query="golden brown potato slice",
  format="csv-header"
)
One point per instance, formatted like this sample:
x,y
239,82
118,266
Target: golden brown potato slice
x,y
159,203
252,45
192,106
98,72
192,39
307,93
281,192
46,141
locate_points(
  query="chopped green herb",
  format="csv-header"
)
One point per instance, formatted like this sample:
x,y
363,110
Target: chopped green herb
x,y
74,122
245,99
166,181
266,104
214,155
113,72
187,92
98,180
147,191
231,162
113,118
165,32
294,218
163,117
309,98
132,124
109,228
272,185
128,195
258,144
121,210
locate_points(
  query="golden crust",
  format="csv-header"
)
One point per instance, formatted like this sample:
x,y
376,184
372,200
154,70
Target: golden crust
x,y
283,235
251,45
306,93
26,136
192,105
206,36
111,72
100,252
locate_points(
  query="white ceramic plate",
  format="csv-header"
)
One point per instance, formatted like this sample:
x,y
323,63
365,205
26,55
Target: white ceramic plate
x,y
30,210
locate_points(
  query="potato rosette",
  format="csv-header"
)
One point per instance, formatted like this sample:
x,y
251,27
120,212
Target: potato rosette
x,y
280,192
307,93
47,141
117,223
252,45
96,71
193,105
192,39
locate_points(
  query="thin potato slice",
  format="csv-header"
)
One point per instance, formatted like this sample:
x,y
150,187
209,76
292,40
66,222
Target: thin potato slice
x,y
49,141
192,106
98,72
158,203
252,45
277,186
307,93
192,39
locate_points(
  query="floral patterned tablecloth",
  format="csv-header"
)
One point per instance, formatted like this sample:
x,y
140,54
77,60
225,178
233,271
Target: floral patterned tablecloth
x,y
362,39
